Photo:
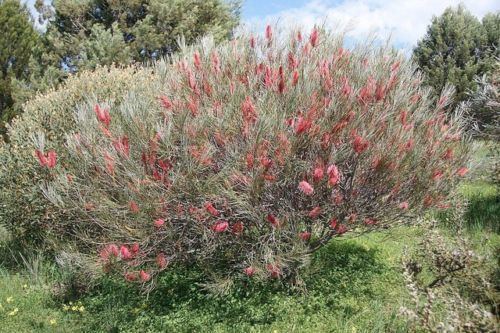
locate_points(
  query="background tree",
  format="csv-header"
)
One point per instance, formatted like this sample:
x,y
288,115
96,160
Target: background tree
x,y
85,34
17,40
456,49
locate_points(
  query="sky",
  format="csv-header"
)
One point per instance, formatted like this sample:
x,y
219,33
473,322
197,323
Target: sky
x,y
404,21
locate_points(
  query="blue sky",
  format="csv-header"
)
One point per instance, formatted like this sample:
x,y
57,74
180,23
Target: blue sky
x,y
404,21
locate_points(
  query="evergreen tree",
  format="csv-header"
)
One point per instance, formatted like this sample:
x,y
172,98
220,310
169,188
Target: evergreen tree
x,y
85,34
456,49
17,39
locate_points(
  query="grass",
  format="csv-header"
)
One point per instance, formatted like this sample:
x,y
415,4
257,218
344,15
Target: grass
x,y
353,285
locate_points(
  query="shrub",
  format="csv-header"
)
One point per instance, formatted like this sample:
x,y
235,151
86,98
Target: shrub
x,y
23,208
456,290
245,158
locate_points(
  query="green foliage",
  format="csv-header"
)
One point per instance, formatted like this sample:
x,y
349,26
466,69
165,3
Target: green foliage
x,y
84,34
456,48
17,40
23,209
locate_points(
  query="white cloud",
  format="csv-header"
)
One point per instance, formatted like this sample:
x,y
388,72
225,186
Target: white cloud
x,y
404,20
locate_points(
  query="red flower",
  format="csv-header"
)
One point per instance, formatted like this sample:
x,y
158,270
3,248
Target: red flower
x,y
462,171
237,228
318,174
161,261
437,175
41,158
295,78
159,223
249,271
333,223
305,236
314,37
122,146
404,205
145,277
102,115
135,248
108,251
341,229
273,220
314,213
274,270
448,155
333,175
306,188
197,60
49,159
248,110
269,33
131,276
369,221
252,42
125,253
166,102
346,87
359,144
220,226
133,207
211,209
303,125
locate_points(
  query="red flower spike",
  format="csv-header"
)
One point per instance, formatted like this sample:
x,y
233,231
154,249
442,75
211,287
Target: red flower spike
x,y
306,188
437,175
303,125
159,223
305,236
122,146
273,220
295,78
132,205
333,223
404,205
462,171
318,174
249,271
130,276
359,144
237,228
41,158
110,250
166,102
333,175
197,60
274,270
220,226
145,277
211,209
369,221
102,115
314,37
341,229
134,248
269,33
161,261
315,212
125,253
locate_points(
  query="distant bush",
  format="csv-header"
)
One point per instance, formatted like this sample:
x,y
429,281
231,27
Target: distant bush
x,y
243,159
23,209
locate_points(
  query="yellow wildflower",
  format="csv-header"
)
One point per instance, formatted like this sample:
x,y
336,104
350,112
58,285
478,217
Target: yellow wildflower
x,y
13,312
53,322
9,299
